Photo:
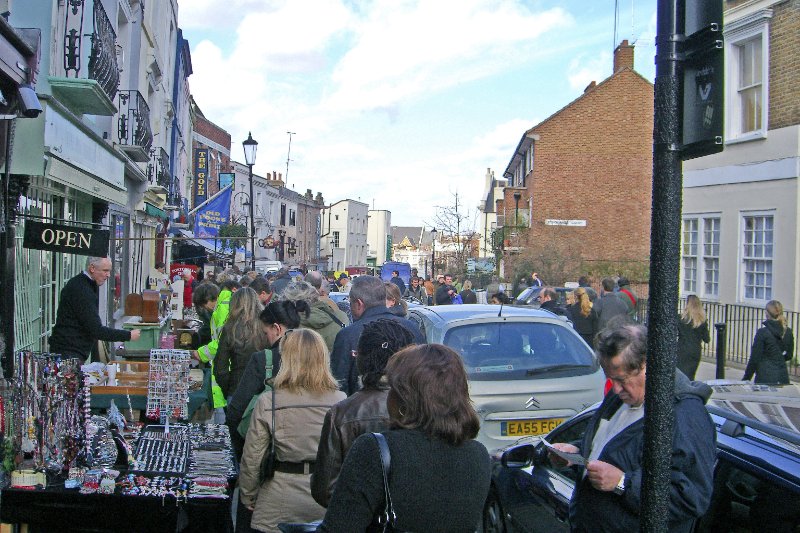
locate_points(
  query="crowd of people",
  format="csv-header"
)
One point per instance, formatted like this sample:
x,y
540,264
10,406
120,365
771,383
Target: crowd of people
x,y
303,387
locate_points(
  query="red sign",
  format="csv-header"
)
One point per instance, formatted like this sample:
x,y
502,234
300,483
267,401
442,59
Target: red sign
x,y
176,269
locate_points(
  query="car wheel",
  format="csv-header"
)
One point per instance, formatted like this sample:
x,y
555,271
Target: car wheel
x,y
493,515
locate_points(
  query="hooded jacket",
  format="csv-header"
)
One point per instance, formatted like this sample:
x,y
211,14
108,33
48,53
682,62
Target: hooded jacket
x,y
325,321
691,477
772,347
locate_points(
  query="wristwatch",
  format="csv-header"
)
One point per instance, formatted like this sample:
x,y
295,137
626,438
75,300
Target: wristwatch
x,y
620,488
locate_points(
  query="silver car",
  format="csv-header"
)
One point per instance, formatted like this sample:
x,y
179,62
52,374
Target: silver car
x,y
528,369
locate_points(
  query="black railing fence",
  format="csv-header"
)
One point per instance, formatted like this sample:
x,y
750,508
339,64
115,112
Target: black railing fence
x,y
741,323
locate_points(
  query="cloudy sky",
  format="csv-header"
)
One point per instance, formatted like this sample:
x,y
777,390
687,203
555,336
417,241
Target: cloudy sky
x,y
399,103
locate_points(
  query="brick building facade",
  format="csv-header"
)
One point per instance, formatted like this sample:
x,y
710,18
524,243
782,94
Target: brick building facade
x,y
580,181
218,142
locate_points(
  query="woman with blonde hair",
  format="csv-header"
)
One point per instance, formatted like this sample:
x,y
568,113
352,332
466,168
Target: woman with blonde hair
x,y
772,347
692,332
583,316
394,302
240,337
292,414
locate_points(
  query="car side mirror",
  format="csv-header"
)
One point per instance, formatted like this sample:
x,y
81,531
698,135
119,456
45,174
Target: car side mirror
x,y
519,456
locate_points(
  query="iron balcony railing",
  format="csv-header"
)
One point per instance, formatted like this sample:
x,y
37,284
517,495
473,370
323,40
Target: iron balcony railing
x,y
158,168
133,124
103,67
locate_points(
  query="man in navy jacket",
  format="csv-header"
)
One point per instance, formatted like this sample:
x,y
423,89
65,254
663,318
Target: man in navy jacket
x,y
608,496
367,303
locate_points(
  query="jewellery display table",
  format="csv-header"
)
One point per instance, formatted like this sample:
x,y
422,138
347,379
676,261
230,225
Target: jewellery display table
x,y
132,387
56,508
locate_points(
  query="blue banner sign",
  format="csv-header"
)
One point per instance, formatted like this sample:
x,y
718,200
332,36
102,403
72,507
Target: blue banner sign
x,y
200,175
209,217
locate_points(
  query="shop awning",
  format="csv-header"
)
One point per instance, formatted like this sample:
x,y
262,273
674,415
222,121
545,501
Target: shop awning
x,y
154,211
209,244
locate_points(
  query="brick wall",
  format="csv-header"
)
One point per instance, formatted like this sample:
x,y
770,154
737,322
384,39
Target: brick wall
x,y
784,68
209,130
593,162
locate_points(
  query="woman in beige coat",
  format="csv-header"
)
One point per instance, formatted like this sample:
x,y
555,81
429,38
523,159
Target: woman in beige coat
x,y
304,392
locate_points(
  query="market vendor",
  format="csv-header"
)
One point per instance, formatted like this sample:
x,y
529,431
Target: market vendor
x,y
78,326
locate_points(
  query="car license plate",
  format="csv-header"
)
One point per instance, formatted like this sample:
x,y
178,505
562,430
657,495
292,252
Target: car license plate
x,y
521,428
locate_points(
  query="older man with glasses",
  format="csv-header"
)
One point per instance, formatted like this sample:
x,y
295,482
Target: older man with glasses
x,y
608,495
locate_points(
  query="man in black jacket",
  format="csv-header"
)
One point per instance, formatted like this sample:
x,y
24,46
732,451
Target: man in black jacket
x,y
78,326
548,300
367,303
608,497
445,291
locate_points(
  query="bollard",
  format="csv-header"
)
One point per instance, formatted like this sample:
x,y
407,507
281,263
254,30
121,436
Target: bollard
x,y
721,343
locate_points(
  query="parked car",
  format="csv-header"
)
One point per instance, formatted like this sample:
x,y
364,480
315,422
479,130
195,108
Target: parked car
x,y
530,296
528,370
756,478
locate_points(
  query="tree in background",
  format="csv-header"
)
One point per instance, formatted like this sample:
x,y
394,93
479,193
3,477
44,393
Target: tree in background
x,y
232,236
456,227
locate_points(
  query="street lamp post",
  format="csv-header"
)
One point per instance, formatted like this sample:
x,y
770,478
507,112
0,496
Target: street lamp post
x,y
433,254
250,146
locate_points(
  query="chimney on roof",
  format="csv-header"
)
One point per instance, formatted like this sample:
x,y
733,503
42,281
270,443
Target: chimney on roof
x,y
623,56
590,87
319,199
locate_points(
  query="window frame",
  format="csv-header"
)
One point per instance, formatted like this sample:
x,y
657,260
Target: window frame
x,y
736,34
700,257
742,274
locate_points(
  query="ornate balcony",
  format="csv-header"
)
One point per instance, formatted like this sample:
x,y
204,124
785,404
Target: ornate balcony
x,y
133,126
90,90
158,169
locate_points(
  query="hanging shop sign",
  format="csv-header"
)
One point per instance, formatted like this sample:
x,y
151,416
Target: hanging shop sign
x,y
66,239
200,175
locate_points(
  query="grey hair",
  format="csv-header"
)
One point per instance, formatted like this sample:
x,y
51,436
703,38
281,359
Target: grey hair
x,y
93,261
370,290
314,278
296,291
628,341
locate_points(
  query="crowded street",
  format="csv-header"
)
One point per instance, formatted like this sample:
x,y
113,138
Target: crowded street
x,y
483,267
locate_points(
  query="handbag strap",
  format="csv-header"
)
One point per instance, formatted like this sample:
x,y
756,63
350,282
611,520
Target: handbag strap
x,y
388,517
334,317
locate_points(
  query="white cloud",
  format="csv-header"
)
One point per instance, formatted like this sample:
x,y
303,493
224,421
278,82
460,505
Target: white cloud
x,y
585,69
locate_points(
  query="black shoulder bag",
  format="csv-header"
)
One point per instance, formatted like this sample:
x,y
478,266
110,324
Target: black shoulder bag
x,y
386,519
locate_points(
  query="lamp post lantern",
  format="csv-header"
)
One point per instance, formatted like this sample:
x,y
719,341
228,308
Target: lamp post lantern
x,y
433,253
250,146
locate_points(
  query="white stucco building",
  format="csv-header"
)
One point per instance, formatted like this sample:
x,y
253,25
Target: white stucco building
x,y
343,236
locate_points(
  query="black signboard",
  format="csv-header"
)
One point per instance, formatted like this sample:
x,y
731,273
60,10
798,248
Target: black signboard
x,y
703,80
66,239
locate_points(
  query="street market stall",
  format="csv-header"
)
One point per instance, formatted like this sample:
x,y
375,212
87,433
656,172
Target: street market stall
x,y
76,470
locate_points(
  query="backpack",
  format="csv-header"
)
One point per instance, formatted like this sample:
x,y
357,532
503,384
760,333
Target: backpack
x,y
244,424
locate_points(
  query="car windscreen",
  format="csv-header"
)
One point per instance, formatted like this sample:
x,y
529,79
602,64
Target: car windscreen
x,y
518,350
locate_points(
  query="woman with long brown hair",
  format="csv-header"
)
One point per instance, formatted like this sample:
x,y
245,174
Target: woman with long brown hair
x,y
434,457
692,332
241,336
772,347
583,316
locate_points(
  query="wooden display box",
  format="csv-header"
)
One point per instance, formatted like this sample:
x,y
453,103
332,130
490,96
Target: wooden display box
x,y
132,379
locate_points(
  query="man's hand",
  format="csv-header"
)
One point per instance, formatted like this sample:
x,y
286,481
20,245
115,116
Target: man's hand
x,y
564,447
195,355
135,334
603,476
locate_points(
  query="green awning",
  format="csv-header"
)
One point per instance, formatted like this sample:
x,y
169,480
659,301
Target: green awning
x,y
154,211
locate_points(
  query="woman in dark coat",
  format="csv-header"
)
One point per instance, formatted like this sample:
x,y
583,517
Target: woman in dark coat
x,y
468,296
583,316
692,331
773,346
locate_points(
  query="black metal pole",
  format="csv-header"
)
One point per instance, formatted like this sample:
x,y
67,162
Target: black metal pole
x,y
722,340
252,223
664,267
